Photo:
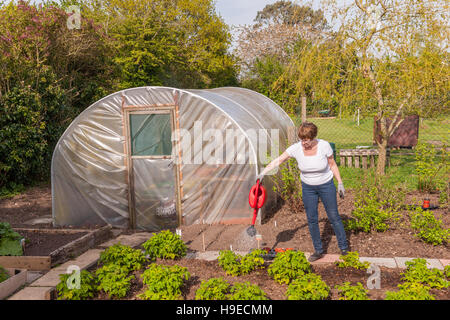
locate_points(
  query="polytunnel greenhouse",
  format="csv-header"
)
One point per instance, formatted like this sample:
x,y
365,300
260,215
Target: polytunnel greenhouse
x,y
153,158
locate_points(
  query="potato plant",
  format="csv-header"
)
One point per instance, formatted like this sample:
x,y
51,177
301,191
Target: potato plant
x,y
289,265
165,245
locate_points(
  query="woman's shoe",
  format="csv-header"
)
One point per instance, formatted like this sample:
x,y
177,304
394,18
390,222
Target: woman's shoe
x,y
315,256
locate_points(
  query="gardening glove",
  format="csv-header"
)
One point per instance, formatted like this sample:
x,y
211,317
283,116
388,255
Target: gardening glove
x,y
341,190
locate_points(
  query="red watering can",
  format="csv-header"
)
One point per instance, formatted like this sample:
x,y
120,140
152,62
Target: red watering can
x,y
256,199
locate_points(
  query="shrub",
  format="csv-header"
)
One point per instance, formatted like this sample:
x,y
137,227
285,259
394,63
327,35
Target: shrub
x,y
163,282
9,241
113,279
410,291
235,265
122,255
86,289
308,287
417,272
348,292
427,227
3,274
165,245
289,265
376,205
246,291
351,260
212,289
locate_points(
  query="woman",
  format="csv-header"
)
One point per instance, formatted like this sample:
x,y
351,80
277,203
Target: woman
x,y
316,163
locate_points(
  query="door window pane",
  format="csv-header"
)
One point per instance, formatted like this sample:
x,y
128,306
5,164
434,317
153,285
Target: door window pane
x,y
150,135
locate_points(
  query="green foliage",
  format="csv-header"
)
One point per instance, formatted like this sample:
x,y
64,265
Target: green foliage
x,y
9,241
246,291
86,290
351,260
427,168
176,43
417,272
289,265
163,282
410,291
122,255
212,289
165,245
308,287
348,292
447,271
113,279
236,265
288,186
376,205
428,227
3,274
220,289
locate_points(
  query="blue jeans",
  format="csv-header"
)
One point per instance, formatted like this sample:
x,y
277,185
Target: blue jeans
x,y
327,193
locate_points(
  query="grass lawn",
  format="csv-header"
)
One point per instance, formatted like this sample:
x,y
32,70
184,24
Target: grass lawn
x,y
346,134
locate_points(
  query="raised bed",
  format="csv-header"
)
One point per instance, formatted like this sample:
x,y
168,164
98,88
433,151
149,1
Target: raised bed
x,y
51,247
17,278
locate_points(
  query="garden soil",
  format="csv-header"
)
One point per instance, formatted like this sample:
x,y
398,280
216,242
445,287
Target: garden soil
x,y
282,229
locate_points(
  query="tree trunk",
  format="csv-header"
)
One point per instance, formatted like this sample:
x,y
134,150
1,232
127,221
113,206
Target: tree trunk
x,y
303,108
382,147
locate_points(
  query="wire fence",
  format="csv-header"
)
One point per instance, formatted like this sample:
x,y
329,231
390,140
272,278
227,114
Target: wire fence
x,y
359,133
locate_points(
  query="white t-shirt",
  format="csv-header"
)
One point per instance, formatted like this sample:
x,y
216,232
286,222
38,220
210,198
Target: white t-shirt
x,y
314,169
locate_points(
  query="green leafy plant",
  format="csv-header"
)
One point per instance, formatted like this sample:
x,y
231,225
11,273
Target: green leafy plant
x,y
418,272
427,168
9,241
212,289
122,255
86,290
166,245
163,282
3,274
427,227
246,291
287,185
236,265
410,291
308,287
348,292
447,271
351,260
377,205
113,279
288,265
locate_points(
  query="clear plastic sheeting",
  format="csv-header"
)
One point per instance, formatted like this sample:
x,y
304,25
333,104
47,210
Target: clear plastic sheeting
x,y
201,173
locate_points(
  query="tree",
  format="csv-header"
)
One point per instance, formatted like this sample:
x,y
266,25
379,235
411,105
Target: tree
x,y
265,48
389,56
176,43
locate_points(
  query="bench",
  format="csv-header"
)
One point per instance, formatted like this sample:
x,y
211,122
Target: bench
x,y
356,157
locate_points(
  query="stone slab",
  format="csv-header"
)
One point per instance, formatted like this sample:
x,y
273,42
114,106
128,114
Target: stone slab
x,y
327,258
382,262
431,263
445,262
33,293
207,255
133,240
50,279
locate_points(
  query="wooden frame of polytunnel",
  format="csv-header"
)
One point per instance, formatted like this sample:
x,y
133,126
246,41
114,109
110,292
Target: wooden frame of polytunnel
x,y
154,158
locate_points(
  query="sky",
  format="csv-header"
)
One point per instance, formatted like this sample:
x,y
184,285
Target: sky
x,y
239,12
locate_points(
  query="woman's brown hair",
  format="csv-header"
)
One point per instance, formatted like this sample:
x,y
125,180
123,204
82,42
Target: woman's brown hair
x,y
307,130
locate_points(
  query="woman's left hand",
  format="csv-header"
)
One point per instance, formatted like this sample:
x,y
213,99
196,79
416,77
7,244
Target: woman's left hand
x,y
341,190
